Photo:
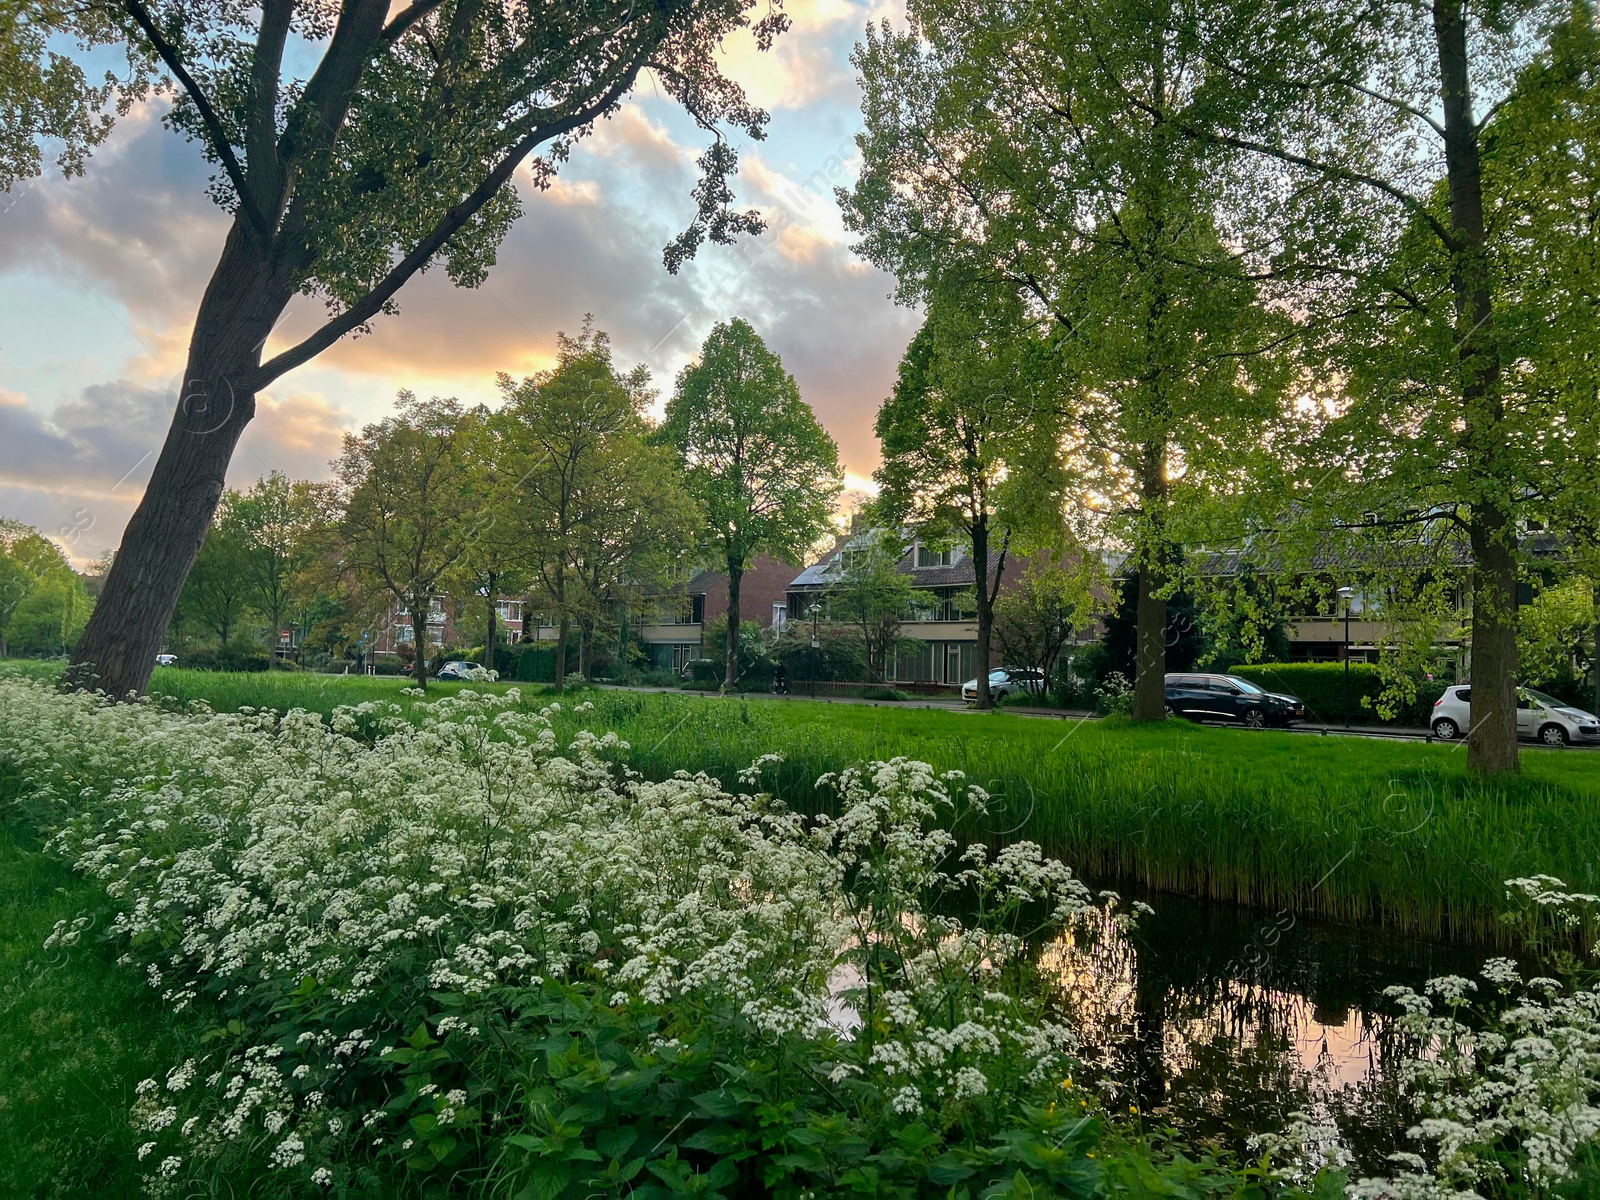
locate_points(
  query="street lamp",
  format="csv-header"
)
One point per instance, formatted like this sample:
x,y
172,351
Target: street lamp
x,y
816,613
1344,594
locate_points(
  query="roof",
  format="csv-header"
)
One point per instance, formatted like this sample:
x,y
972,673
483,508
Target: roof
x,y
825,572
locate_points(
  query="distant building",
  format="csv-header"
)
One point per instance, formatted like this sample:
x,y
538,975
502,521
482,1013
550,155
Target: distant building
x,y
941,640
671,626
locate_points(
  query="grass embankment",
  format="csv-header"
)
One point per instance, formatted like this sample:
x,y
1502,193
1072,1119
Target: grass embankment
x,y
77,1033
1349,828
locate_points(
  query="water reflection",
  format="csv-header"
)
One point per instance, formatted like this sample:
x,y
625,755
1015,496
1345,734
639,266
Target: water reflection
x,y
1221,1023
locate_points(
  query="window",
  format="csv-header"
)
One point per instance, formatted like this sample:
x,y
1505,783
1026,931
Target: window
x,y
509,610
927,556
780,617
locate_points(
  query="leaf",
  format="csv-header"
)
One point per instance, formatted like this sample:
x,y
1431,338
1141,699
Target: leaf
x,y
947,1168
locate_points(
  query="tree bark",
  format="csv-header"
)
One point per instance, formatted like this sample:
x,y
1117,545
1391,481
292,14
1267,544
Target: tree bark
x,y
1150,642
563,630
419,639
730,674
1150,616
586,648
1492,739
980,593
489,623
242,302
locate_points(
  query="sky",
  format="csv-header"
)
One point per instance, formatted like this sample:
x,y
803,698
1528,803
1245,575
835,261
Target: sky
x,y
100,276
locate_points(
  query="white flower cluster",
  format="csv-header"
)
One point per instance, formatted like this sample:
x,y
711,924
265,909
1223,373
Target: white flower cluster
x,y
1527,1076
303,872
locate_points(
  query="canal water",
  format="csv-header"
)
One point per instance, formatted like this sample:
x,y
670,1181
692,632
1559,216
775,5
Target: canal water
x,y
1221,1022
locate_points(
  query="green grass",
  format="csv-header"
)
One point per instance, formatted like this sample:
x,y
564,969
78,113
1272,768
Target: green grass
x,y
1354,829
229,691
77,1033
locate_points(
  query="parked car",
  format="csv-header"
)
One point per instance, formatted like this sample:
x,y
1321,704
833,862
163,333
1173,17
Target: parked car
x,y
166,660
1229,698
1539,716
465,671
1007,681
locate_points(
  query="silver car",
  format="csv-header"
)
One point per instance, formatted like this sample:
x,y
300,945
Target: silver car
x,y
1539,716
1006,681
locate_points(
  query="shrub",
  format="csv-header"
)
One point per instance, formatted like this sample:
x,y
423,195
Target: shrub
x,y
535,663
883,693
1321,686
453,951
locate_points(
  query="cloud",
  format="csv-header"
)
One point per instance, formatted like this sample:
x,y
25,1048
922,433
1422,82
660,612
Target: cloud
x,y
140,234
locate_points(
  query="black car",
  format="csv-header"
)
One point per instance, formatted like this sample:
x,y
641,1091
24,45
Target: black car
x,y
1230,698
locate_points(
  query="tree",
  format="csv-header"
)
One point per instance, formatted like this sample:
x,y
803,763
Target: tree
x,y
639,525
407,506
393,155
43,604
216,593
874,596
1036,617
1422,180
45,96
566,431
754,457
51,616
970,437
492,562
273,520
1036,152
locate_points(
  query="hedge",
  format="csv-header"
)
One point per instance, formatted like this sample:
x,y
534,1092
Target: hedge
x,y
1321,686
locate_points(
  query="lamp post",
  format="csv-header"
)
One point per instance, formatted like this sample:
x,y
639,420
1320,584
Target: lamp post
x,y
1345,594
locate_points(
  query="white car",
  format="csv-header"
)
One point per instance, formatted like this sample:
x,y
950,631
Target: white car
x,y
1006,681
1538,716
166,660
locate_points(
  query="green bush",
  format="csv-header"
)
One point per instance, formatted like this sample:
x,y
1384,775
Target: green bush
x,y
535,663
1321,686
237,655
883,693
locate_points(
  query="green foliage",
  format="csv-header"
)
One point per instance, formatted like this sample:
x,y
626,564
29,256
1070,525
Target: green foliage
x,y
595,508
1321,686
1555,639
1418,842
43,603
78,1031
406,505
50,617
755,458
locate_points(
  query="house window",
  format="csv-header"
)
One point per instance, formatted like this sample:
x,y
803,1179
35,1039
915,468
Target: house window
x,y
697,608
780,617
927,556
403,635
509,610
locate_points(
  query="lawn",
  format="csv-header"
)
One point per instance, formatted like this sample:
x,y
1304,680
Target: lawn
x,y
77,1033
1348,828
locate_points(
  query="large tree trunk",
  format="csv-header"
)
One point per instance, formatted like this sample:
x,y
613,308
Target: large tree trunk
x,y
730,674
980,593
490,614
1150,647
118,648
1150,617
1492,740
563,631
419,639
